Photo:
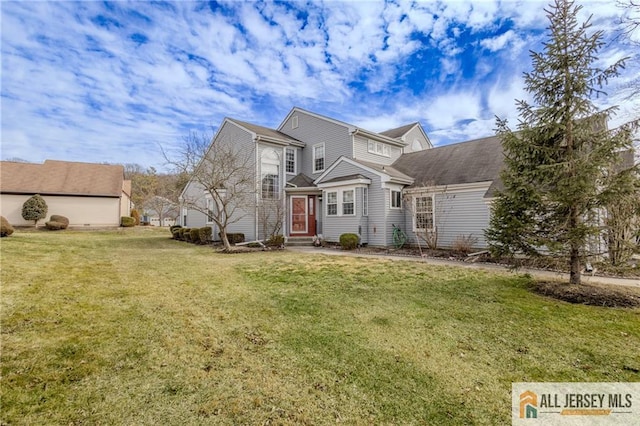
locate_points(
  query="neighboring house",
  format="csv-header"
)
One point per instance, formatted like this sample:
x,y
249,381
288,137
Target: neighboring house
x,y
330,178
160,211
86,193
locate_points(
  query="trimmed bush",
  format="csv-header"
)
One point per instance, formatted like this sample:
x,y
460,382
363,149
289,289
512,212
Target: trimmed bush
x,y
205,235
35,208
5,227
57,222
172,229
275,241
195,235
234,238
349,241
186,235
175,234
55,226
127,221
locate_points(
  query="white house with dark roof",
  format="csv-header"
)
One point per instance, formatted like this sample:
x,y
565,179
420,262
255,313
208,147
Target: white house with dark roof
x,y
330,177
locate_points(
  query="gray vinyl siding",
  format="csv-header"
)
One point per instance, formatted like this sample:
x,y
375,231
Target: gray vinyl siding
x,y
195,194
361,152
413,134
458,214
241,139
314,130
375,228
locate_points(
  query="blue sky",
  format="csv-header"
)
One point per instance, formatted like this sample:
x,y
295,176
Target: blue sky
x,y
111,81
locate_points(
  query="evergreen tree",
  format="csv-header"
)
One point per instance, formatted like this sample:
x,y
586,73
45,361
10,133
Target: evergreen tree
x,y
558,160
35,208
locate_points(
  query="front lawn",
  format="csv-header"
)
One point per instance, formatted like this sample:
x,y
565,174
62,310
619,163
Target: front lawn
x,y
130,327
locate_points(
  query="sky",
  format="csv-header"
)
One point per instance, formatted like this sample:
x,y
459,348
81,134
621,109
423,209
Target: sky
x,y
112,82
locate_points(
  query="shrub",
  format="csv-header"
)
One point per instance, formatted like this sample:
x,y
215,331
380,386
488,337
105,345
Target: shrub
x,y
195,235
175,234
136,215
275,241
349,241
186,234
127,221
57,222
464,243
5,227
55,226
35,208
173,228
234,238
205,235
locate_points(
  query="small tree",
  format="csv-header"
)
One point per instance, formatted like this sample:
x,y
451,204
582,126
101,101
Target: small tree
x,y
35,208
221,171
557,163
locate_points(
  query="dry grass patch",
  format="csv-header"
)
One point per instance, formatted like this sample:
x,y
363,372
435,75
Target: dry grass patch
x,y
132,327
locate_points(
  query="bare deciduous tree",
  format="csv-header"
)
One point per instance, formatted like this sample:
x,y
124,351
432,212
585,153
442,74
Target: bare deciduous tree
x,y
221,171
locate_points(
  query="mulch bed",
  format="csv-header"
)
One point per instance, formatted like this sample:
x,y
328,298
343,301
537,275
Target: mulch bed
x,y
590,294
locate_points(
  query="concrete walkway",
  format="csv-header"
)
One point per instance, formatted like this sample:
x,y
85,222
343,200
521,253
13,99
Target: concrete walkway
x,y
538,273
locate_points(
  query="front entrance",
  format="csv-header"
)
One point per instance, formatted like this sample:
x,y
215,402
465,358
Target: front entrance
x,y
302,216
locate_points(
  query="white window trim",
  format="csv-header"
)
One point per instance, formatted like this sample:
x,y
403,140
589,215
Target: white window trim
x,y
383,147
391,206
209,202
365,201
340,201
295,160
294,122
433,212
353,201
324,156
337,203
271,162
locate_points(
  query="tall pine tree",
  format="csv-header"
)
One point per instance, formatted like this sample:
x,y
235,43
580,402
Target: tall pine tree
x,y
557,163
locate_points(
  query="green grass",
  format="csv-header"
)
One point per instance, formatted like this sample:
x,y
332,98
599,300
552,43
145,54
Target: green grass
x,y
130,327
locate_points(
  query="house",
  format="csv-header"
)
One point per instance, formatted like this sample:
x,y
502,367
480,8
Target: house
x,y
159,211
328,177
88,194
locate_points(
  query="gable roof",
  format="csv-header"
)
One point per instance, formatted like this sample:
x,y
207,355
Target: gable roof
x,y
62,178
266,133
301,181
399,132
480,160
388,173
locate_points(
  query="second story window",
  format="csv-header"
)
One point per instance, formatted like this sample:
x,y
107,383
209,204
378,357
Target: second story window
x,y
378,148
290,160
318,158
270,173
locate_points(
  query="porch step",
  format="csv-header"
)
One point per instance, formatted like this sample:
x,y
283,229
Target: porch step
x,y
299,241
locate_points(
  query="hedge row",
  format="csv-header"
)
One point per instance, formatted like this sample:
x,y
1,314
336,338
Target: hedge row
x,y
192,235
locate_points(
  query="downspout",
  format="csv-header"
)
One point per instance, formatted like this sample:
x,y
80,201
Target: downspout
x,y
256,188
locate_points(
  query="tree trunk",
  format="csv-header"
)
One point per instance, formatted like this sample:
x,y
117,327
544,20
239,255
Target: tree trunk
x,y
575,275
225,239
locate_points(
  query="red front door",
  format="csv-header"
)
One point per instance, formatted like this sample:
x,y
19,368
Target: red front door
x,y
303,215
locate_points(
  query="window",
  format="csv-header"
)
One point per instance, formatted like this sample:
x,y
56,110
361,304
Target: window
x,y
318,158
378,148
348,206
423,220
396,199
365,201
332,203
294,122
290,160
209,210
270,174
